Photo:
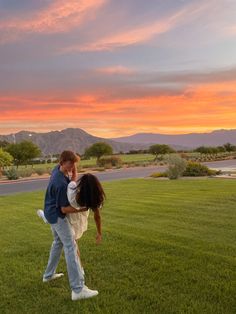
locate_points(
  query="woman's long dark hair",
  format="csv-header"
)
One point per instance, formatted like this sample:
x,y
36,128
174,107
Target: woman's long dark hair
x,y
90,193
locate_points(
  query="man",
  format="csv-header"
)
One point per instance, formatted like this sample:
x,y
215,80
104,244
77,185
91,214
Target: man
x,y
55,209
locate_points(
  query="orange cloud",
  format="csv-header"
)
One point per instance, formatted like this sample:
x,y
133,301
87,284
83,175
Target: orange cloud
x,y
199,108
60,16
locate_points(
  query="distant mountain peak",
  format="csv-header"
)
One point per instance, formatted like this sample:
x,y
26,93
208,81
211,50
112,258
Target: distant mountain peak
x,y
190,140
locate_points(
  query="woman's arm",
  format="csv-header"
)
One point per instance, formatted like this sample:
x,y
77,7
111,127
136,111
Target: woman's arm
x,y
97,218
71,193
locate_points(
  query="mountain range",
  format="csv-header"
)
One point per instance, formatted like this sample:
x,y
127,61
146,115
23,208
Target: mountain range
x,y
78,140
74,139
191,140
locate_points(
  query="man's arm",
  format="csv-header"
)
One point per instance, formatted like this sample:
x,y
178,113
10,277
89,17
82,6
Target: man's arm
x,y
70,209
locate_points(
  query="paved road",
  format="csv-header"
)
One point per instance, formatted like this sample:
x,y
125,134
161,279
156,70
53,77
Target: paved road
x,y
41,184
123,173
222,164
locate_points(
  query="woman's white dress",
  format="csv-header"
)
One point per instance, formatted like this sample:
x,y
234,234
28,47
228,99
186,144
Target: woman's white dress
x,y
78,221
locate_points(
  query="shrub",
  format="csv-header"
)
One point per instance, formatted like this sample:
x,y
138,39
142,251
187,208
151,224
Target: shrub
x,y
99,169
40,171
12,174
176,167
4,172
213,172
108,166
49,171
24,173
109,161
130,165
195,169
158,174
183,155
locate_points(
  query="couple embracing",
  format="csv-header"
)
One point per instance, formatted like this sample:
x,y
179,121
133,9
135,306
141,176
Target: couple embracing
x,y
66,208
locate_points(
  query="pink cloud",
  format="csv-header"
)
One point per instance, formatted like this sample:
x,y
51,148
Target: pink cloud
x,y
230,30
118,69
142,33
60,16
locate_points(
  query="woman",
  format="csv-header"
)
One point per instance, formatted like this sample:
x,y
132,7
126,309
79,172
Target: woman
x,y
86,192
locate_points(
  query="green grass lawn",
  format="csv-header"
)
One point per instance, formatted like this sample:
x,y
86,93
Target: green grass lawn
x,y
136,157
126,158
168,247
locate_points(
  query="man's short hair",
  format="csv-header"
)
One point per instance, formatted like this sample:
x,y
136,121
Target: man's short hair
x,y
68,155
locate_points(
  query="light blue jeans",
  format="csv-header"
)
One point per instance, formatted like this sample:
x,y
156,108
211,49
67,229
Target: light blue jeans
x,y
63,239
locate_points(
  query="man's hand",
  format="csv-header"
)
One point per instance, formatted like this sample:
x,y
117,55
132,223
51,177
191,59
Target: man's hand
x,y
82,209
98,238
74,173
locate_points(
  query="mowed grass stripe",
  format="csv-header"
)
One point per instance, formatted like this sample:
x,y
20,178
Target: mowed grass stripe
x,y
168,247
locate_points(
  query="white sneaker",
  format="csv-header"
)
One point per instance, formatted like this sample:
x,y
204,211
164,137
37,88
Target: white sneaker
x,y
54,276
85,293
40,213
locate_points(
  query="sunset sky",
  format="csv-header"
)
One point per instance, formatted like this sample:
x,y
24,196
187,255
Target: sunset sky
x,y
115,68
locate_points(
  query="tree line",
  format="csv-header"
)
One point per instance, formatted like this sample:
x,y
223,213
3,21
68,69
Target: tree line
x,y
24,152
